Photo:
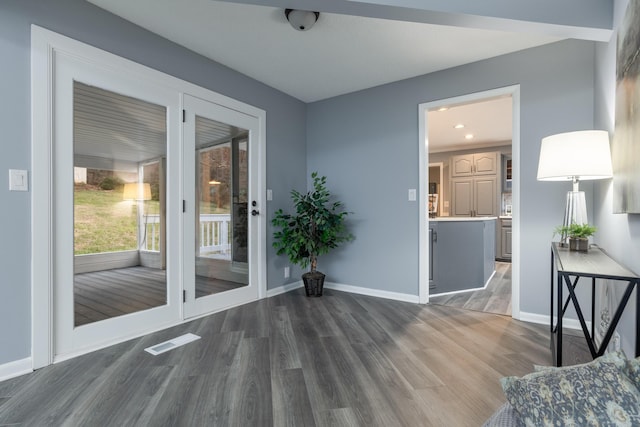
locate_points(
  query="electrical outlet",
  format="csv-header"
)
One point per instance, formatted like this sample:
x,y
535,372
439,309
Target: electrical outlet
x,y
287,272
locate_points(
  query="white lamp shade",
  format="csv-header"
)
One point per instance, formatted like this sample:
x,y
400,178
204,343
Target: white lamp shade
x,y
137,191
584,155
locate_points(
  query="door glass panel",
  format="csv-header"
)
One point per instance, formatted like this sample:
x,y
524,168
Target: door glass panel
x,y
222,207
120,147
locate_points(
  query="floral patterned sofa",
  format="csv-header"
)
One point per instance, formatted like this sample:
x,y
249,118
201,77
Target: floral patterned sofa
x,y
604,392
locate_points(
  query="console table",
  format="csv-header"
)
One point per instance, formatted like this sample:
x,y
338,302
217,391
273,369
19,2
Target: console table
x,y
569,267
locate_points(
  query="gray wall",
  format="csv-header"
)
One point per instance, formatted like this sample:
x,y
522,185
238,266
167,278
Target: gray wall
x,y
618,234
367,145
286,153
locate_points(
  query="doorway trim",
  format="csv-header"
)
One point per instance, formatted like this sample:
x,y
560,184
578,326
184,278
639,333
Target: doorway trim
x,y
423,174
45,45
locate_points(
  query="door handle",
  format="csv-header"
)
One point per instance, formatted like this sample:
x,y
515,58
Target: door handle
x,y
254,212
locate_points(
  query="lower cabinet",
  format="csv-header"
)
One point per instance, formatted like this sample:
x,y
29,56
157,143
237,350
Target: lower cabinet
x,y
433,235
461,254
505,239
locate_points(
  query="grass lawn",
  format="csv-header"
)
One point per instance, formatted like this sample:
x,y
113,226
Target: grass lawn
x,y
103,222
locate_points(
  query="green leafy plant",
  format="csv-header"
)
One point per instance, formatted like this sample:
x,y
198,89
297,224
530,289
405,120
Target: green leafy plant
x,y
576,231
316,227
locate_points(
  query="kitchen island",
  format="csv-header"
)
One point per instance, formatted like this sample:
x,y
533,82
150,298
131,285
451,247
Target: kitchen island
x,y
461,253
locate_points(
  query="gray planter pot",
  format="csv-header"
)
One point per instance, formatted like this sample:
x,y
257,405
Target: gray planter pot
x,y
580,245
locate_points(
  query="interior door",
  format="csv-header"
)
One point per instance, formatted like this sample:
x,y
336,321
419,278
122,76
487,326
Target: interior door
x,y
115,144
221,207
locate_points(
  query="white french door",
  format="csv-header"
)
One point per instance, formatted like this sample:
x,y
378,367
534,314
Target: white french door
x,y
140,192
221,237
111,130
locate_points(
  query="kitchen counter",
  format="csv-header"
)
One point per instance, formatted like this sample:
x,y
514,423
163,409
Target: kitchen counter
x,y
462,253
462,218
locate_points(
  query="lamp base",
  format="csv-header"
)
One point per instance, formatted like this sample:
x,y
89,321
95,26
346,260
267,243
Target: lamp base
x,y
575,212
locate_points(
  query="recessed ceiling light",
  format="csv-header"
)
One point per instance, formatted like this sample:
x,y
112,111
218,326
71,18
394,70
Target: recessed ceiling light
x,y
468,136
443,108
458,126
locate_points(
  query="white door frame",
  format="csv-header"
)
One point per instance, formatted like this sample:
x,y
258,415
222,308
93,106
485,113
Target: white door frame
x,y
45,45
423,155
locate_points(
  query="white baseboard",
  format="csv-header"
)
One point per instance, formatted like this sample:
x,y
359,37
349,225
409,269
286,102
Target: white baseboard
x,y
284,289
543,319
373,292
347,288
16,368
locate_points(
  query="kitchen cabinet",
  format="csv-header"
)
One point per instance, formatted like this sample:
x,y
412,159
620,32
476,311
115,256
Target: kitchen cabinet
x,y
505,238
462,253
474,190
474,164
474,196
433,238
507,173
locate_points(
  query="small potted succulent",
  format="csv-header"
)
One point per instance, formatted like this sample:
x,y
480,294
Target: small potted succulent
x,y
316,227
578,235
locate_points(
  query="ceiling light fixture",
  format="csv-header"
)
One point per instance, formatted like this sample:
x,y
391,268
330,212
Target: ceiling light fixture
x,y
301,20
443,108
458,126
468,136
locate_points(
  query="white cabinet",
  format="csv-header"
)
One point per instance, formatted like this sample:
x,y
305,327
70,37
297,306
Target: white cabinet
x,y
474,190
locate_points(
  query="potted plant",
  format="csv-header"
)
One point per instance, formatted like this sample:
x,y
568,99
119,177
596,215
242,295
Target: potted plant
x,y
316,227
578,235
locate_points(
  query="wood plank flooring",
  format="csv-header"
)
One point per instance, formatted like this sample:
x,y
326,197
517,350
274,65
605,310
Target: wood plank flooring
x,y
110,293
495,298
339,360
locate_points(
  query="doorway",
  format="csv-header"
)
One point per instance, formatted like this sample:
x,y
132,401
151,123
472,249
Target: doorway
x,y
424,147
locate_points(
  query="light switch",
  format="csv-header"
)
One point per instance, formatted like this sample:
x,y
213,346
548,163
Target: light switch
x,y
412,194
269,194
18,180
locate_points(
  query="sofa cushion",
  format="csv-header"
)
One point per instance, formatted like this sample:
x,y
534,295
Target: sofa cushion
x,y
633,370
594,393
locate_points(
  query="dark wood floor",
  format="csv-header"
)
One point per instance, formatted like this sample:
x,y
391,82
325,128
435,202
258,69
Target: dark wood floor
x,y
110,293
495,298
339,360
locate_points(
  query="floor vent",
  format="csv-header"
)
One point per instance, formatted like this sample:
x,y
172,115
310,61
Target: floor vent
x,y
171,344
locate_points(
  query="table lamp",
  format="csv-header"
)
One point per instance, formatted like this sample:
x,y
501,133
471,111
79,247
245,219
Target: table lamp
x,y
575,156
137,191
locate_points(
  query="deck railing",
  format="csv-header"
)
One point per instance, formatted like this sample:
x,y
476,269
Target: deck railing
x,y
214,236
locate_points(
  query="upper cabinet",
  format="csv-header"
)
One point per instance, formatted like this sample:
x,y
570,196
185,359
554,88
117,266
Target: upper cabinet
x,y
474,164
507,173
474,184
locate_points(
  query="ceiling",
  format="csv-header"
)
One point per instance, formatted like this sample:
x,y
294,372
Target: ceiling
x,y
359,44
341,54
489,121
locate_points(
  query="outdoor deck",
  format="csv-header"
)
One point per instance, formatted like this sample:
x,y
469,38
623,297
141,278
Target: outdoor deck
x,y
111,293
